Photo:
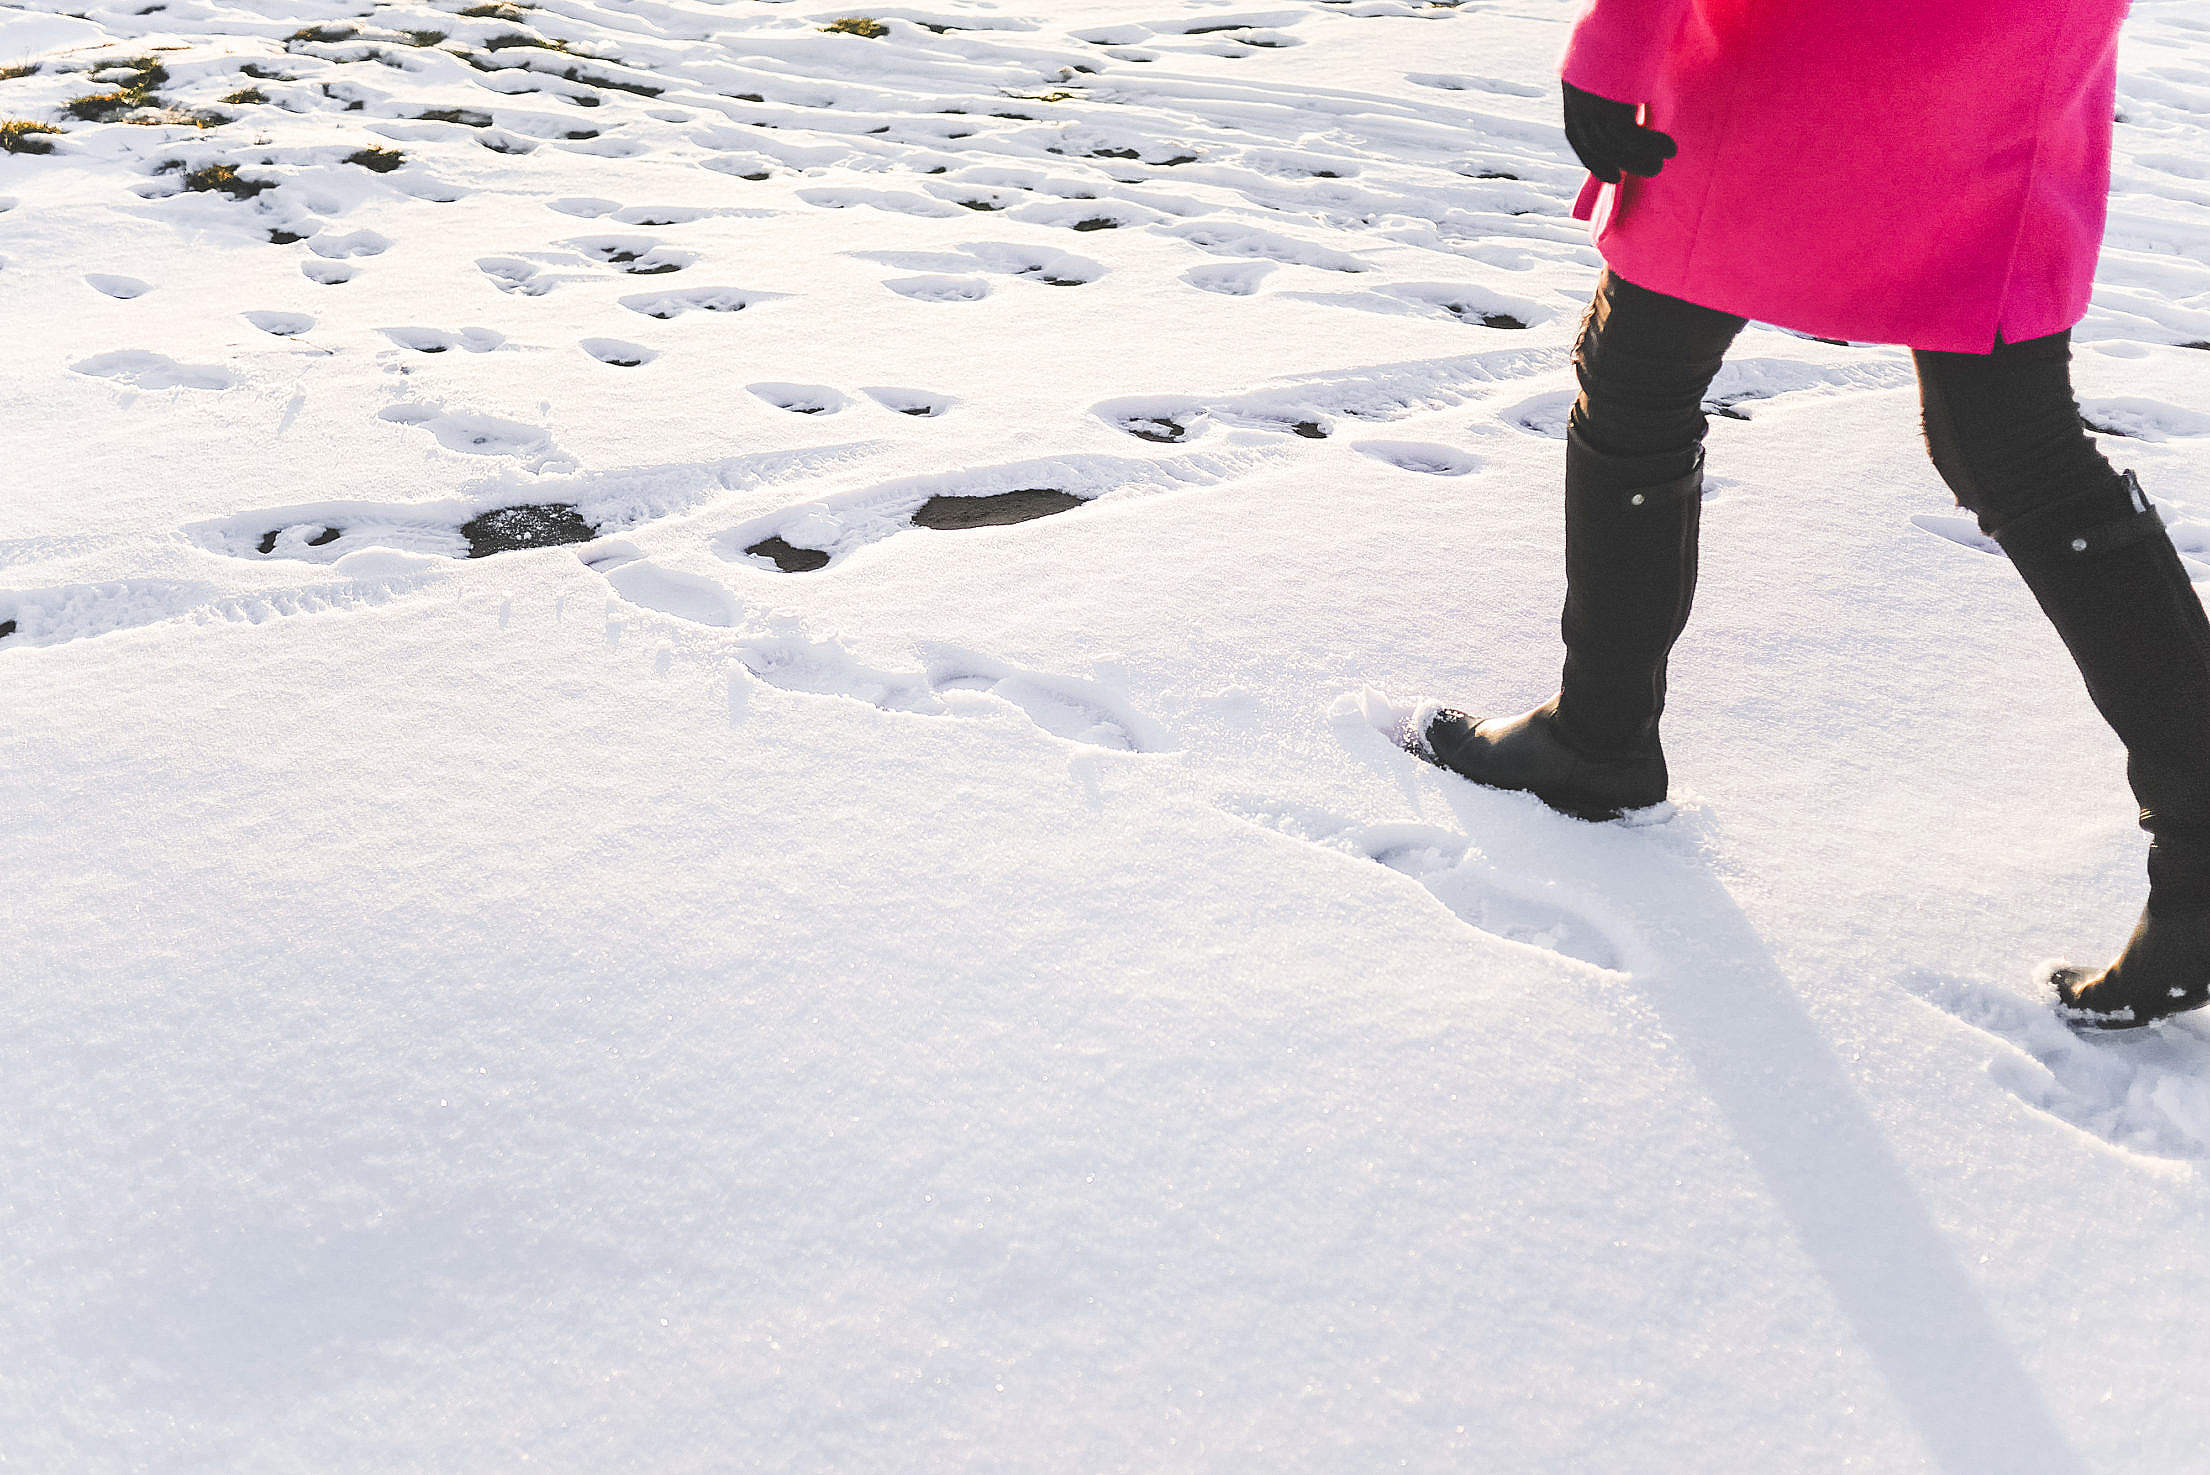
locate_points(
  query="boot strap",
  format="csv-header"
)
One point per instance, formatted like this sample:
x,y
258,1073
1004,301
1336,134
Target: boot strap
x,y
1681,491
2053,533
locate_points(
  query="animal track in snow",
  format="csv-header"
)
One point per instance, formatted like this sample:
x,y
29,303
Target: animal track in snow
x,y
141,369
2146,1092
122,289
1451,866
327,273
953,681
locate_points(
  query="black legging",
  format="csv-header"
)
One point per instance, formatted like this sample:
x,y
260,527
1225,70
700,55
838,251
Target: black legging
x,y
2003,427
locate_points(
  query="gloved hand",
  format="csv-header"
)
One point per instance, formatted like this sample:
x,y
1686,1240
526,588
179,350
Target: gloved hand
x,y
1608,139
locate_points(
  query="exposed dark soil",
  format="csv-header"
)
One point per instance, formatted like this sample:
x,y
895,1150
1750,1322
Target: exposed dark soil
x,y
950,514
788,557
532,525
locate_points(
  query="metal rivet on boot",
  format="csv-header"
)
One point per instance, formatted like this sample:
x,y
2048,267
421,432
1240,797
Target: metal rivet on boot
x,y
2079,545
1636,500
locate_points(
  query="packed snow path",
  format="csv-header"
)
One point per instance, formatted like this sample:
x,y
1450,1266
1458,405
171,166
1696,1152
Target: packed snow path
x,y
689,780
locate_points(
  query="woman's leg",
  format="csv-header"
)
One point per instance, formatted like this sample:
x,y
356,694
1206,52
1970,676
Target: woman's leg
x,y
1633,506
2005,433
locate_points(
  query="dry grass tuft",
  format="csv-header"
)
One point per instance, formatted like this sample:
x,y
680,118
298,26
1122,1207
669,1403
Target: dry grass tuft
x,y
19,136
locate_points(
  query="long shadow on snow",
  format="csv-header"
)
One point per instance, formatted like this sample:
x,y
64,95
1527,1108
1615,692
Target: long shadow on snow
x,y
1791,1106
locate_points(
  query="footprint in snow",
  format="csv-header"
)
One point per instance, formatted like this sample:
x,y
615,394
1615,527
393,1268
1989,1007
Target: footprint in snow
x,y
1027,263
805,538
2147,1091
327,273
141,369
638,256
281,324
122,289
480,435
591,207
1173,419
800,399
919,403
619,353
533,514
343,246
1536,912
944,512
439,340
665,305
329,531
2142,419
1240,279
940,289
1428,460
953,681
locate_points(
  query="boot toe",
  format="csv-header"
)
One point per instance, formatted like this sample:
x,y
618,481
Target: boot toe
x,y
2076,1001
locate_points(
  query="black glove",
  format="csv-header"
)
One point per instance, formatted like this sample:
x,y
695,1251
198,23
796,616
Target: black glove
x,y
1608,139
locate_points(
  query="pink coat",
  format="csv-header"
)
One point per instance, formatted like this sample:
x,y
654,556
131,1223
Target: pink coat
x,y
1926,172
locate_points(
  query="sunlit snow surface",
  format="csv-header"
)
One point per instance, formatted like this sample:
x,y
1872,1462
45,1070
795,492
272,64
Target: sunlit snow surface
x,y
696,775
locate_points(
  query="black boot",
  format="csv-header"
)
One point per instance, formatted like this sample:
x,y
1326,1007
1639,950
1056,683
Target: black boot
x,y
1529,753
2164,970
2105,572
1592,751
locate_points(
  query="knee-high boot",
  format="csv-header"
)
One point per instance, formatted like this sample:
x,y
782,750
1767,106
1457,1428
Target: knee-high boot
x,y
1592,750
2127,611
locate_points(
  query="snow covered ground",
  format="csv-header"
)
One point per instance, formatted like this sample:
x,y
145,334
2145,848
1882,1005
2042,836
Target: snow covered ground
x,y
802,982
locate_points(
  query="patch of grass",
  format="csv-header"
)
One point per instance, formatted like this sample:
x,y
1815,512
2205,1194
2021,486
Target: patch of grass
x,y
377,160
492,12
320,35
134,81
261,73
246,97
576,74
858,25
103,107
25,69
18,136
425,38
513,39
224,179
137,74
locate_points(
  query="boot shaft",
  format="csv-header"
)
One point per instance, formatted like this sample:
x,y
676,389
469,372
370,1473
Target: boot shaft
x,y
1631,530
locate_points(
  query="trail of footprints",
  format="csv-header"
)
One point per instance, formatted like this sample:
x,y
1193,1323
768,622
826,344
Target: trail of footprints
x,y
952,681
